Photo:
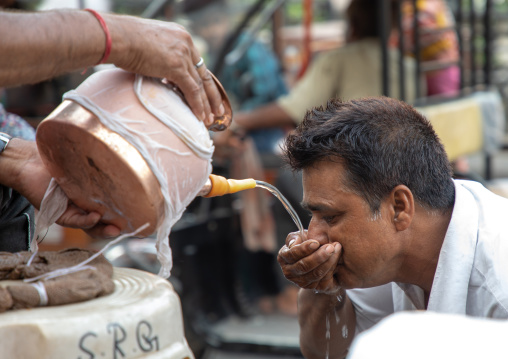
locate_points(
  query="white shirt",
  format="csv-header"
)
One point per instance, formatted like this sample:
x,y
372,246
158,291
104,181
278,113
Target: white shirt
x,y
472,272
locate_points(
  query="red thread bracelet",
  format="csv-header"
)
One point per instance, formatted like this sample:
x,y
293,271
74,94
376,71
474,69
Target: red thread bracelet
x,y
106,32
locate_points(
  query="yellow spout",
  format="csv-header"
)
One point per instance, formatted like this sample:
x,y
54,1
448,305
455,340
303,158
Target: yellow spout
x,y
221,185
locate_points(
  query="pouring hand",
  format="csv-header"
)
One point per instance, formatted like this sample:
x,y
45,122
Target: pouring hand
x,y
309,264
73,40
165,50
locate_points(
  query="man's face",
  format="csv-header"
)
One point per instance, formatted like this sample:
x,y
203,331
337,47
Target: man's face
x,y
371,253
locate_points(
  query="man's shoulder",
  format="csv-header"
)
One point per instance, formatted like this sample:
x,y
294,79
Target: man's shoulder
x,y
487,201
489,278
479,191
492,211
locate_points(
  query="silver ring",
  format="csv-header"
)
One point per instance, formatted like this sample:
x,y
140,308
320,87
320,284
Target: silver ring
x,y
200,63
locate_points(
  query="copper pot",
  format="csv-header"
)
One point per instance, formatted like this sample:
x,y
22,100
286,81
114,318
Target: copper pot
x,y
100,170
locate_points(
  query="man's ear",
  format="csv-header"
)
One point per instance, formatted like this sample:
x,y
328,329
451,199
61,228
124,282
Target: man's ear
x,y
402,207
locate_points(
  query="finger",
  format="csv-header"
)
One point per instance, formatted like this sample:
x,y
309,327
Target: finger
x,y
323,276
189,82
75,217
200,75
293,238
316,274
298,252
328,284
213,95
103,230
192,93
310,262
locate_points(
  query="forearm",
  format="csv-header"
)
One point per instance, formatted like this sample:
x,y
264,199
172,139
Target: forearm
x,y
327,324
21,169
52,38
268,116
12,161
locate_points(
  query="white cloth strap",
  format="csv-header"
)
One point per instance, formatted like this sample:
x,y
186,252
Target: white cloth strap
x,y
43,295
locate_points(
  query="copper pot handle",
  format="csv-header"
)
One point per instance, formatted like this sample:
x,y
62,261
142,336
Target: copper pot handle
x,y
221,122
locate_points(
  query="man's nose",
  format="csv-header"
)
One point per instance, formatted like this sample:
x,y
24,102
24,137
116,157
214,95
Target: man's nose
x,y
317,231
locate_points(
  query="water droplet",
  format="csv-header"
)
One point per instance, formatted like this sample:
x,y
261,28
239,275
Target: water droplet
x,y
327,335
328,327
344,331
337,318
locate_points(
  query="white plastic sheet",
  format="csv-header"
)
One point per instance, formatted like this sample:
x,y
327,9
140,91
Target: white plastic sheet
x,y
179,186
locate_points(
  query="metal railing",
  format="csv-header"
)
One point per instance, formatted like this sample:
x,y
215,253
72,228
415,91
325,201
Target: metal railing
x,y
475,28
470,24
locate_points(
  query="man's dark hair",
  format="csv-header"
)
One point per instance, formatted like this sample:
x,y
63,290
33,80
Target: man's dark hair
x,y
382,143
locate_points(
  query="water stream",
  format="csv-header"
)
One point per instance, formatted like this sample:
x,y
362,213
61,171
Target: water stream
x,y
298,223
273,190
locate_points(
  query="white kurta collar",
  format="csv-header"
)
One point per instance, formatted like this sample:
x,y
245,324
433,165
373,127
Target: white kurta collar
x,y
451,281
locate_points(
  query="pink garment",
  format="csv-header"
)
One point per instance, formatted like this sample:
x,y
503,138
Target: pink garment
x,y
443,82
439,46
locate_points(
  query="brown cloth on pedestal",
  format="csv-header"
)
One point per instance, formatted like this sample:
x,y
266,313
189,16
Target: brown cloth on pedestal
x,y
69,288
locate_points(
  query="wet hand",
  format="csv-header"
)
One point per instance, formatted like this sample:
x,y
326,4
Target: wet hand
x,y
75,217
310,264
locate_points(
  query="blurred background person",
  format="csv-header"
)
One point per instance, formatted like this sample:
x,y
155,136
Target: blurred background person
x,y
437,40
351,71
